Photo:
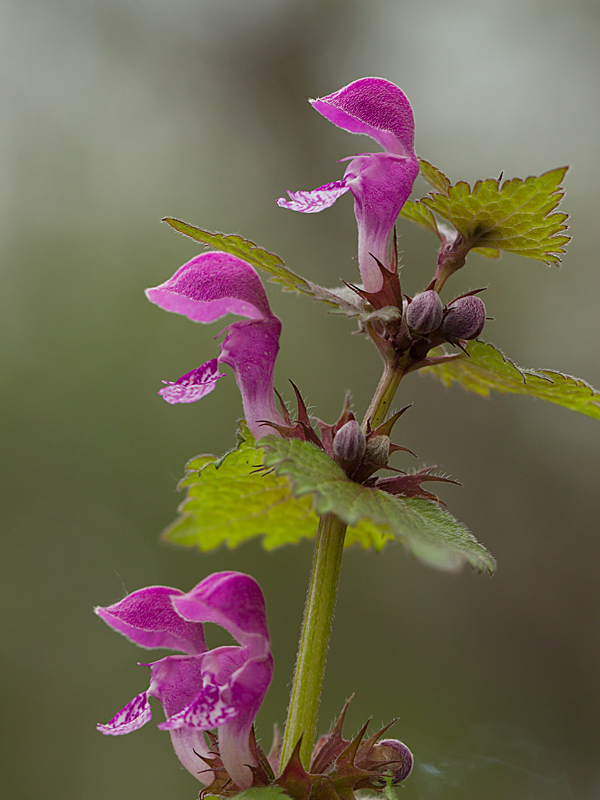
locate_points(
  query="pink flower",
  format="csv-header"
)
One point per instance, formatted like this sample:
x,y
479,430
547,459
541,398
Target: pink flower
x,y
380,182
205,289
203,689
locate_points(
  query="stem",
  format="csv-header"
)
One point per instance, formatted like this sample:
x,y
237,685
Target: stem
x,y
392,375
320,603
314,640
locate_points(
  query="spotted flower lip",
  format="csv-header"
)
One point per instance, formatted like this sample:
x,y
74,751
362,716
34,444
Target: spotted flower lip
x,y
203,689
205,289
380,182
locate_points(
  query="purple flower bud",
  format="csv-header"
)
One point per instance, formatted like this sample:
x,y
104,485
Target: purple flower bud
x,y
349,445
464,319
395,751
425,312
378,450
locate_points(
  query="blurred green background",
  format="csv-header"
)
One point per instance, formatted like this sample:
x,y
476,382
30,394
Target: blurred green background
x,y
119,112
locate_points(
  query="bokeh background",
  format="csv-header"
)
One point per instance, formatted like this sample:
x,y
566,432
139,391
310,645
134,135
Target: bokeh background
x,y
116,113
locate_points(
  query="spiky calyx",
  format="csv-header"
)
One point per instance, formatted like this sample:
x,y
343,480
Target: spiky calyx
x,y
339,766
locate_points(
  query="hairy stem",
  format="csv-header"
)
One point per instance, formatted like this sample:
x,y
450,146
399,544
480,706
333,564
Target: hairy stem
x,y
320,603
393,373
314,640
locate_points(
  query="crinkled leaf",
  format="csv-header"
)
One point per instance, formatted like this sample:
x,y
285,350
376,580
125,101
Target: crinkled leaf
x,y
487,252
342,298
262,793
417,212
268,262
248,251
434,176
487,369
516,216
430,532
230,500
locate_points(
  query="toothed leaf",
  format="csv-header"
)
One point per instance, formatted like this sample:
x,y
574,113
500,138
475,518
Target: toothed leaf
x,y
262,793
434,176
230,501
268,262
417,212
516,216
245,249
430,532
487,369
487,252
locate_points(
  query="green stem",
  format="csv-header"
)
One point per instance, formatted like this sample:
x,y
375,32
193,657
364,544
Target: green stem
x,y
314,640
320,603
392,375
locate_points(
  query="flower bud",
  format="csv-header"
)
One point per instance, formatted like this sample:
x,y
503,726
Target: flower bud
x,y
378,450
464,319
349,445
424,312
398,754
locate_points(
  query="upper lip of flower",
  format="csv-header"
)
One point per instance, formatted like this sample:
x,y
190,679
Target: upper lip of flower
x,y
205,289
202,689
380,182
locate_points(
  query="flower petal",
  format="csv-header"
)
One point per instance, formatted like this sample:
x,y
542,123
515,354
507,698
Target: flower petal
x,y
375,107
250,349
232,600
148,618
190,748
193,385
207,711
135,714
315,200
206,288
381,184
210,286
175,682
247,690
194,692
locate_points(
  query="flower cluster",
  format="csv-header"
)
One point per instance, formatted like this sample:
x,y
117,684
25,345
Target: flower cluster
x,y
203,689
379,182
205,289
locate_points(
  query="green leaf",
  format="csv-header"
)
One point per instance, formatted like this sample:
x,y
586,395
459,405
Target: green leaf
x,y
434,177
230,500
268,262
342,298
486,368
516,217
487,252
430,532
262,793
417,212
248,251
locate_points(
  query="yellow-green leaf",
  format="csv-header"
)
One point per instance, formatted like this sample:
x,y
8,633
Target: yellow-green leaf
x,y
486,369
425,527
517,216
231,500
434,177
267,262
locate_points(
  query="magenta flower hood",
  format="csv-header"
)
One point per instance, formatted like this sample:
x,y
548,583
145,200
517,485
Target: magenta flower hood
x,y
380,182
202,689
205,289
